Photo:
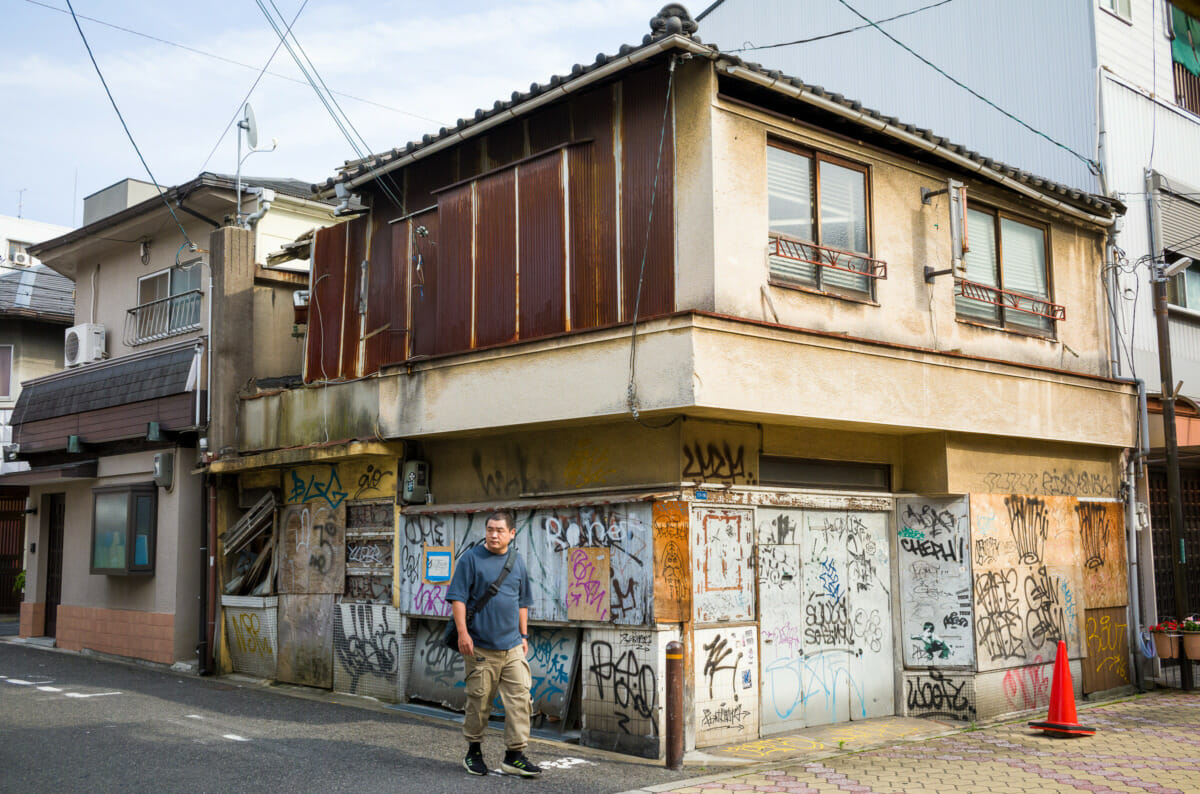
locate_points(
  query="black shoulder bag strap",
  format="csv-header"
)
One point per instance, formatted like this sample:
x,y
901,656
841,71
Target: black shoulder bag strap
x,y
493,588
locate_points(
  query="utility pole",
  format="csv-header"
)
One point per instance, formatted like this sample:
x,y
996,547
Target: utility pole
x,y
1161,272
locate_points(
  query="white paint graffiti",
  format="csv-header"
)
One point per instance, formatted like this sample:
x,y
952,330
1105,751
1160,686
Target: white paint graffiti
x,y
936,616
544,540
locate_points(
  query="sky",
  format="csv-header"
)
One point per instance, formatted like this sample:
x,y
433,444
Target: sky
x,y
180,70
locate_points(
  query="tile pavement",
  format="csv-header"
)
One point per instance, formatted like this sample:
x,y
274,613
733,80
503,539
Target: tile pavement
x,y
1148,743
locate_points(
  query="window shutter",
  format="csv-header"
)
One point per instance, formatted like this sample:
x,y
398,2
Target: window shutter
x,y
1024,250
980,263
789,199
843,214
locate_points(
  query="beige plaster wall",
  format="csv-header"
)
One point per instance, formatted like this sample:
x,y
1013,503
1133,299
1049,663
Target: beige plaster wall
x,y
174,586
906,234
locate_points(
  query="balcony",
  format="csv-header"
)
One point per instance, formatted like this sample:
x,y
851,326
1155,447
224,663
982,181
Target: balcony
x,y
163,318
1187,89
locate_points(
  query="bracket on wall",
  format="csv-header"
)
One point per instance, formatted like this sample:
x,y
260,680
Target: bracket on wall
x,y
931,274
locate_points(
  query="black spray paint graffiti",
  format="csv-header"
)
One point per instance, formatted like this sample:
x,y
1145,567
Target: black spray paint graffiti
x,y
938,696
632,684
999,624
718,651
1094,526
623,598
929,521
366,647
783,530
827,623
1050,483
950,550
1030,525
442,665
369,589
725,716
496,482
715,462
1045,621
370,480
986,550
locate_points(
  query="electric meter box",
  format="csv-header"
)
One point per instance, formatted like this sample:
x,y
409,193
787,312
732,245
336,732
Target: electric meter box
x,y
414,485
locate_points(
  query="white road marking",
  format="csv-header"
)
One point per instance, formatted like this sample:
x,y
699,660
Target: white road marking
x,y
235,738
49,689
19,682
90,695
194,717
566,763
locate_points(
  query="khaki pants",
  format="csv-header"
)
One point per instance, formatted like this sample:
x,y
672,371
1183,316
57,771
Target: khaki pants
x,y
504,671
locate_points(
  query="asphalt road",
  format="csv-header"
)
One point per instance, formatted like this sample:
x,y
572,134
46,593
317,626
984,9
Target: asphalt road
x,y
71,723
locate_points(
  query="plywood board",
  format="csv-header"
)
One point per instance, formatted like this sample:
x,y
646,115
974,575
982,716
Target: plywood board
x,y
723,586
1102,535
588,582
933,555
1107,663
306,640
313,549
672,562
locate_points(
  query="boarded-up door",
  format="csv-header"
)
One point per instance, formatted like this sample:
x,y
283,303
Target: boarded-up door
x,y
780,629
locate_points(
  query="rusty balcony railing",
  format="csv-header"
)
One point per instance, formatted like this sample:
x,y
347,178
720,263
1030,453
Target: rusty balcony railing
x,y
827,258
163,318
1013,301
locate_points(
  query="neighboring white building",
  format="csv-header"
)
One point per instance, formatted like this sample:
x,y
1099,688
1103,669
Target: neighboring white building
x,y
1116,82
36,304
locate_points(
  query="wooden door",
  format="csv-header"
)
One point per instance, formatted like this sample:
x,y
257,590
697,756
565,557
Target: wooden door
x,y
56,511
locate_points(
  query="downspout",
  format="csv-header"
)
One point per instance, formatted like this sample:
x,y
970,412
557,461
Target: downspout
x,y
202,645
211,573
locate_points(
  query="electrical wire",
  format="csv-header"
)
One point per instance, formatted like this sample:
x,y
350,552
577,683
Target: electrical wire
x,y
238,110
363,155
1090,163
836,33
631,391
161,192
230,61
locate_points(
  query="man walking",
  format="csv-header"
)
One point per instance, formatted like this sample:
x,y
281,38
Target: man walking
x,y
494,645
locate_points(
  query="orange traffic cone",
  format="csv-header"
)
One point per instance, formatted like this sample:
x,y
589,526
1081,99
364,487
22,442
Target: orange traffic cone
x,y
1061,719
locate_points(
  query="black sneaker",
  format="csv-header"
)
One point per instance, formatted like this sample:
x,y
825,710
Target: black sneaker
x,y
518,764
474,763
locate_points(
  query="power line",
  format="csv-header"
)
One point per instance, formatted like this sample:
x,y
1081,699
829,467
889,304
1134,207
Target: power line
x,y
161,192
1091,164
839,32
230,61
253,86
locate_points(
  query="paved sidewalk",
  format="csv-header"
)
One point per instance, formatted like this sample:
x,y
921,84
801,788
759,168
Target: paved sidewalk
x,y
1149,743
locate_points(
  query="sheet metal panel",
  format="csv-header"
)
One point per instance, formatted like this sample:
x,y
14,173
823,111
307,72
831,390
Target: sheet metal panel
x,y
549,127
541,201
421,271
356,252
1056,42
592,190
643,97
427,175
496,259
455,253
505,144
325,304
383,310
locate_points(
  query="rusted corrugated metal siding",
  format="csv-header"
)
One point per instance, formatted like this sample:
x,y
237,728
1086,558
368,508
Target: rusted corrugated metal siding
x,y
383,312
549,127
427,175
541,201
422,279
642,128
505,145
453,296
496,260
592,194
327,282
356,253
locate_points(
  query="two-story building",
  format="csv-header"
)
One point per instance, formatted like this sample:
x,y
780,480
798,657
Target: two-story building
x,y
174,312
821,394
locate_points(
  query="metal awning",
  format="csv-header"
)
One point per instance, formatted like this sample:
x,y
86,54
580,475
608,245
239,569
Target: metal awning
x,y
539,502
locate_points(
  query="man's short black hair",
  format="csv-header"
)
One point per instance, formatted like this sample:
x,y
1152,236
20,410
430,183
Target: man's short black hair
x,y
502,515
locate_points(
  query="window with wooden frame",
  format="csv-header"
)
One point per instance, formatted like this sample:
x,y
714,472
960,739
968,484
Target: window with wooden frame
x,y
1007,281
124,529
819,209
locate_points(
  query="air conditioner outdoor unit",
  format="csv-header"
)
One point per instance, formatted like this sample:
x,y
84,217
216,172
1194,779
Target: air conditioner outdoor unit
x,y
22,259
84,344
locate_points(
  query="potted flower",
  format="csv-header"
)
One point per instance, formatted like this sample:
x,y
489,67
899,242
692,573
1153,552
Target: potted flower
x,y
1166,639
1190,631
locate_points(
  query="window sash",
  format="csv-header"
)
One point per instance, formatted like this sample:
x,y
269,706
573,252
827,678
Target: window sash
x,y
1011,255
124,530
815,199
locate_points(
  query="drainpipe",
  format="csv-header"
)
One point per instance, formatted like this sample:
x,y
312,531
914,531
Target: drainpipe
x,y
1131,557
202,645
211,578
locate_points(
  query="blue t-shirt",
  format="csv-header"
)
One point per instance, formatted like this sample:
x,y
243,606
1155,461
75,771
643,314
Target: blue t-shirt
x,y
497,626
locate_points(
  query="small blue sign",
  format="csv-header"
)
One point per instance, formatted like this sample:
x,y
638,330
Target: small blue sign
x,y
701,494
437,566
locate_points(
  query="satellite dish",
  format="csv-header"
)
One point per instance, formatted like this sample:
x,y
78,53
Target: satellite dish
x,y
248,124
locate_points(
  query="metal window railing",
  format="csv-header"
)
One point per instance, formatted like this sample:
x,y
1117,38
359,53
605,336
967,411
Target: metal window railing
x,y
163,318
1014,301
829,258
